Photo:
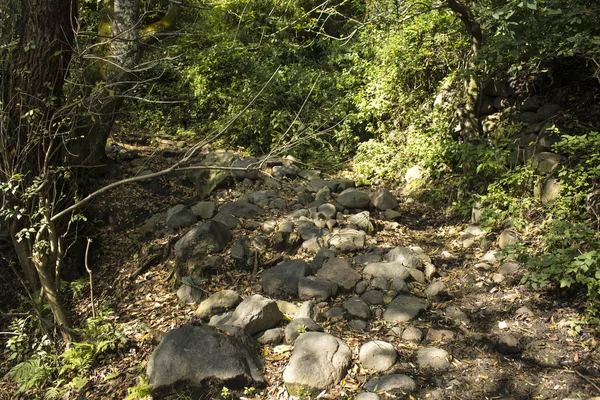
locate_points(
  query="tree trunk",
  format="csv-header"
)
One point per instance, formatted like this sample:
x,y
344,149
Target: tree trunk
x,y
471,125
30,131
118,52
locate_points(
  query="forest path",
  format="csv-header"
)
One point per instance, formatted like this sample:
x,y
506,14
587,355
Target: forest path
x,y
501,340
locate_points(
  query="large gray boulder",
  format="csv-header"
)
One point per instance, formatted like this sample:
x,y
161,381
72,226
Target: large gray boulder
x,y
404,308
282,280
192,356
319,361
255,314
207,180
206,237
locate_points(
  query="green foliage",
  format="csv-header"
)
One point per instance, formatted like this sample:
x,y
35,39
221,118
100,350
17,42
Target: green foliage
x,y
524,33
140,391
41,370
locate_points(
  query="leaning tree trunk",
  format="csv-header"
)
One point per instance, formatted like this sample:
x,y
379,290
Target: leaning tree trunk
x,y
31,132
471,125
110,74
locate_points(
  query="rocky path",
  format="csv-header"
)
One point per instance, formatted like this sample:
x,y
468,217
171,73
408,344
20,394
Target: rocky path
x,y
292,285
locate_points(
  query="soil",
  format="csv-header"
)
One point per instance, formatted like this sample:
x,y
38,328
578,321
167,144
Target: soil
x,y
557,358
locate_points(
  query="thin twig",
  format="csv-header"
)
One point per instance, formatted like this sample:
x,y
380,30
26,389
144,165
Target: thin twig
x,y
89,271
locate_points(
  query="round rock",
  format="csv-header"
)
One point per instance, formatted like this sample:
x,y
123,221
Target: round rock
x,y
377,355
434,358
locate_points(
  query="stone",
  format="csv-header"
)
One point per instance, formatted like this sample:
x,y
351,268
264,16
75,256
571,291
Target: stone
x,y
250,169
357,324
340,272
456,314
547,111
194,355
320,258
392,384
361,287
328,210
412,334
335,314
308,309
362,221
341,184
392,215
282,171
313,287
308,230
299,326
531,103
190,290
387,270
383,200
179,216
380,283
277,204
523,312
241,209
305,198
548,189
240,251
433,358
206,237
405,256
204,209
353,198
508,238
261,197
364,259
319,361
207,180
373,297
357,307
490,257
367,396
509,268
414,173
220,319
377,355
229,220
399,285
217,303
346,239
404,308
323,194
435,289
313,245
255,314
273,336
528,117
508,344
282,280
439,335
547,162
416,275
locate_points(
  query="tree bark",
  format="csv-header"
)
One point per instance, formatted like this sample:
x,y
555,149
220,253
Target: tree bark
x,y
30,130
121,40
471,125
